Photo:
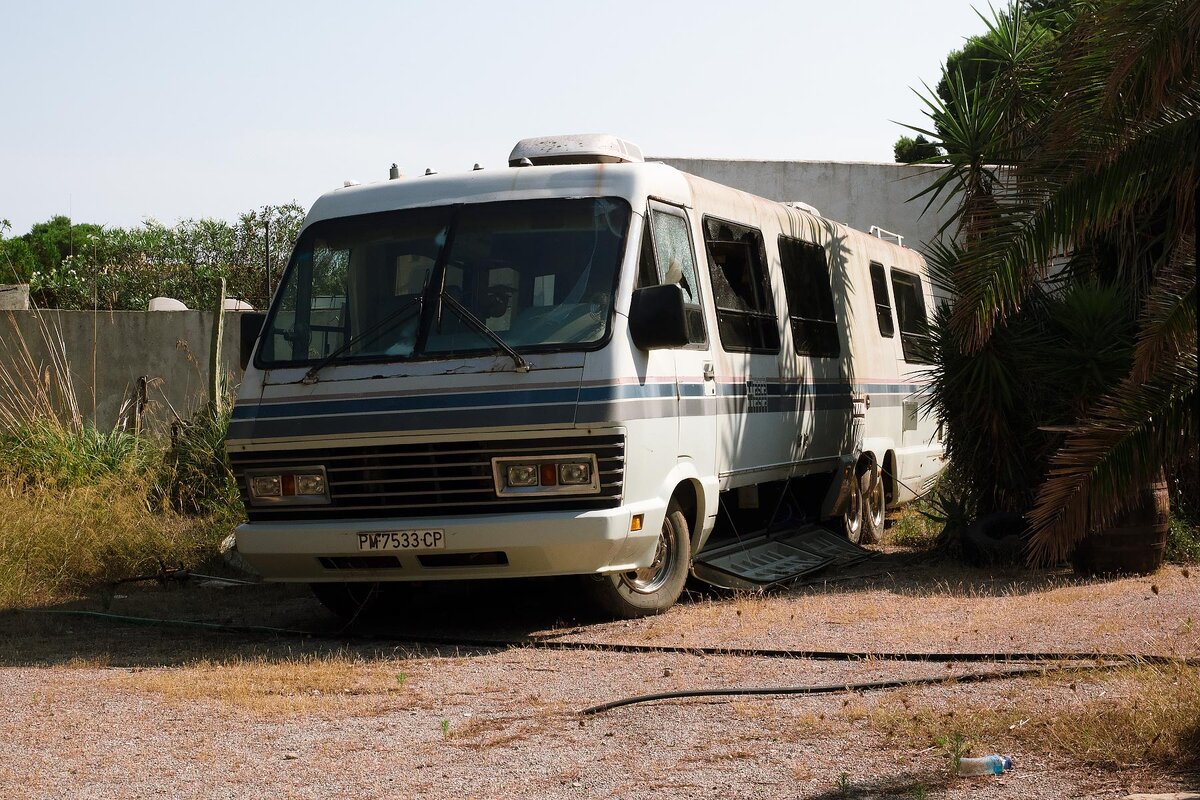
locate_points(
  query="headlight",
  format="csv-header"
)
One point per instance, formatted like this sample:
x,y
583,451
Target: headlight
x,y
310,484
518,476
265,486
575,474
522,475
295,486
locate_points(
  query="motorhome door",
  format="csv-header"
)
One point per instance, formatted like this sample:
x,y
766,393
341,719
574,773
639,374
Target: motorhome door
x,y
695,378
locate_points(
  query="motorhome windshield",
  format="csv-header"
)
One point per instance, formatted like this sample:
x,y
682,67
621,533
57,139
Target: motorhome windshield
x,y
539,274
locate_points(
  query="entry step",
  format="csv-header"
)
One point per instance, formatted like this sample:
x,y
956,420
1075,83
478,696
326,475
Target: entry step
x,y
768,559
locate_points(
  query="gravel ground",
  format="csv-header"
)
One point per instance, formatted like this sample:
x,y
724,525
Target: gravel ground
x,y
95,709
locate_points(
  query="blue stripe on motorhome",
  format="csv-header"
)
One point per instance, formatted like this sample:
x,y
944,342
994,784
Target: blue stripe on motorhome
x,y
403,421
630,409
522,408
423,402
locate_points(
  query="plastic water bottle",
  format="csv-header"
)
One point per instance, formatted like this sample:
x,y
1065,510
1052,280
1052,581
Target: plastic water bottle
x,y
984,765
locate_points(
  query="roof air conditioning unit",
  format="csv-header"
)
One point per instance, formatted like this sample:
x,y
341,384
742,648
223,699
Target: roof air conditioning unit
x,y
580,148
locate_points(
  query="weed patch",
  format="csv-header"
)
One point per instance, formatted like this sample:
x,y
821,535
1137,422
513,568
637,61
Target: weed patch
x,y
911,529
1183,540
1147,715
301,683
194,477
55,543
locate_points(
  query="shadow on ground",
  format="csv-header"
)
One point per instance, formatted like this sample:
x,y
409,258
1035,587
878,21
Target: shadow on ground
x,y
458,611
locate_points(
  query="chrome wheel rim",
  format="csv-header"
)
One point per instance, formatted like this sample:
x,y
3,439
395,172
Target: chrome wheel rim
x,y
875,504
854,518
650,579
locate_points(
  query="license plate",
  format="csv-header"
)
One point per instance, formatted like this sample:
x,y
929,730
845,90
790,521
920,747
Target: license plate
x,y
429,539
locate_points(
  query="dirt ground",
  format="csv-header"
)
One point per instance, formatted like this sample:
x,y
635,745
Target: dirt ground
x,y
99,708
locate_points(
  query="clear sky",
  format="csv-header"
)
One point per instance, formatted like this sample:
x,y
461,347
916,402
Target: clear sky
x,y
118,111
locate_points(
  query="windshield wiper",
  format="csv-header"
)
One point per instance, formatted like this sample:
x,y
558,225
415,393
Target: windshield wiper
x,y
480,327
374,332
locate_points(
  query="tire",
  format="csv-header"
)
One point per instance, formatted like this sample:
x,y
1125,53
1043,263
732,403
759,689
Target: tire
x,y
654,589
350,600
852,520
874,506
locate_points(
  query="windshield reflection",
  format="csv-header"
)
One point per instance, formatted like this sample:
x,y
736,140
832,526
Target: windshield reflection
x,y
539,274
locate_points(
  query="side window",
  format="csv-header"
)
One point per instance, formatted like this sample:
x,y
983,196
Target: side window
x,y
667,257
883,306
910,309
737,262
809,297
313,323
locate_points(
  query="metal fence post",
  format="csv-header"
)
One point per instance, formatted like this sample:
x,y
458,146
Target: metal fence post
x,y
215,388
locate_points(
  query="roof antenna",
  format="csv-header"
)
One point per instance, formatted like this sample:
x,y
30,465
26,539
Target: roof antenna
x,y
393,173
476,167
430,171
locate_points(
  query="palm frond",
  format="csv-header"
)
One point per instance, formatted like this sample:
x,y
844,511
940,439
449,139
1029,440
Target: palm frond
x,y
969,129
1168,320
1123,443
1043,220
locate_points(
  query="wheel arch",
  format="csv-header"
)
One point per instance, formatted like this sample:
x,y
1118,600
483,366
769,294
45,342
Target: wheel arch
x,y
886,463
685,486
889,476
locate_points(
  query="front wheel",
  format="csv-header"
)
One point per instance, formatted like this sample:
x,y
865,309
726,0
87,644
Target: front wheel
x,y
652,589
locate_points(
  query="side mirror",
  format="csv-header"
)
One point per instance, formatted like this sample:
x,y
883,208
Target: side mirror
x,y
658,317
251,326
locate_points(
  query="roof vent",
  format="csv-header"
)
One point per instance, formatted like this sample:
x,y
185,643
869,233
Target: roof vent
x,y
582,148
880,233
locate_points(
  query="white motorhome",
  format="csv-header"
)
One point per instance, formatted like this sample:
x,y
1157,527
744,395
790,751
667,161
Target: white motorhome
x,y
581,364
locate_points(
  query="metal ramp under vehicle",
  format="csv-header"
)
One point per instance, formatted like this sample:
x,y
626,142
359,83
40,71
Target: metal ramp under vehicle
x,y
768,559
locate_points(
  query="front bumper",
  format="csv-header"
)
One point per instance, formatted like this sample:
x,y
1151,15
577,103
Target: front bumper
x,y
541,544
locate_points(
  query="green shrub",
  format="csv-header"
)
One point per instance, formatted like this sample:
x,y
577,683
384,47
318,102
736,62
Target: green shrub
x,y
1183,540
45,452
195,477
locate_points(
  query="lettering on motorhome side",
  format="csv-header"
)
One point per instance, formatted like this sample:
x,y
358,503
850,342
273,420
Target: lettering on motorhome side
x,y
579,364
756,392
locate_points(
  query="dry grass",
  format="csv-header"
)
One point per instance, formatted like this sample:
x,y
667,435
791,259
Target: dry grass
x,y
483,733
54,543
302,684
1145,715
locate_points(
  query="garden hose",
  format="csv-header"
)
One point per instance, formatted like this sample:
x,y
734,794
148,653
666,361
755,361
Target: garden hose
x,y
836,688
1097,660
617,647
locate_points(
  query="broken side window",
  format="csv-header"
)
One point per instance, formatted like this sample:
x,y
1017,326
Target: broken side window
x,y
746,319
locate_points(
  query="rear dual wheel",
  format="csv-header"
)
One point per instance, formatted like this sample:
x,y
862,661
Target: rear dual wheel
x,y
874,503
852,519
864,520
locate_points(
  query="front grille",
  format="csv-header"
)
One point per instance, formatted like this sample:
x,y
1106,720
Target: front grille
x,y
430,479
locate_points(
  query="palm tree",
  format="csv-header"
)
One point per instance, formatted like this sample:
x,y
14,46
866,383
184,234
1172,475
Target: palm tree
x,y
1079,161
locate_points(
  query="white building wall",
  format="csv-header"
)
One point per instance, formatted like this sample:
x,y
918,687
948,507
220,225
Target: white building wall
x,y
860,194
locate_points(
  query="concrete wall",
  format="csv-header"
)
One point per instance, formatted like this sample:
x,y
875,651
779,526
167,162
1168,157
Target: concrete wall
x,y
170,348
859,194
14,296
